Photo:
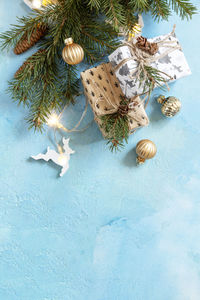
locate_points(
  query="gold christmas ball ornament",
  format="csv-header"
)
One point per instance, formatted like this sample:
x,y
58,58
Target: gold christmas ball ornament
x,y
73,53
170,105
145,149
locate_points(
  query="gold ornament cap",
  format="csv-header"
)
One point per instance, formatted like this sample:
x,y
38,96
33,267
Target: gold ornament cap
x,y
161,99
68,41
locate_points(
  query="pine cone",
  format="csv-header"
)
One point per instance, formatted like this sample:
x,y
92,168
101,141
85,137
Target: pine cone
x,y
141,42
146,46
21,69
27,62
123,109
23,44
153,48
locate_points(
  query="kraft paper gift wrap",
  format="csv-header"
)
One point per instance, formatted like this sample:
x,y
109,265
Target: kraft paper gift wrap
x,y
173,64
102,89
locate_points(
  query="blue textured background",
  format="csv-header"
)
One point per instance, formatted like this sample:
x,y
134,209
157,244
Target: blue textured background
x,y
107,230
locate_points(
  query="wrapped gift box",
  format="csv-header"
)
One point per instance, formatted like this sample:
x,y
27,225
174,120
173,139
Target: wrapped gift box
x,y
102,89
174,64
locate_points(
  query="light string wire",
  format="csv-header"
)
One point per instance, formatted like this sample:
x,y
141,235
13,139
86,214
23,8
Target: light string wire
x,y
57,125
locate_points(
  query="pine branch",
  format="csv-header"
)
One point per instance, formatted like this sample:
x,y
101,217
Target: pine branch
x,y
114,12
183,8
94,4
100,43
130,14
71,82
116,127
37,86
160,9
98,40
151,77
139,5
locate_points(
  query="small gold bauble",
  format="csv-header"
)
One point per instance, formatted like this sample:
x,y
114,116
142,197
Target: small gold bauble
x,y
145,149
170,106
73,53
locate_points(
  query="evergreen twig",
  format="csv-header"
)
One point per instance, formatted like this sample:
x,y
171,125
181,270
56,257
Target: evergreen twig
x,y
116,127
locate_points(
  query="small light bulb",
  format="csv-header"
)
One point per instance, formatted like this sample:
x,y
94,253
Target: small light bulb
x,y
62,159
53,121
37,3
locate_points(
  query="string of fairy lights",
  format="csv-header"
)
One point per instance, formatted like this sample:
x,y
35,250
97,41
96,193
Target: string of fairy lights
x,y
54,121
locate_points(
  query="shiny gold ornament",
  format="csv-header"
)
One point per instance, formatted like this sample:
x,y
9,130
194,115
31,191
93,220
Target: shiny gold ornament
x,y
145,149
135,30
170,106
73,53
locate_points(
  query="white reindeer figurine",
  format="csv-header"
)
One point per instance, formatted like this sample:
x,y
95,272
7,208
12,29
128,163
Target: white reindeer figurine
x,y
61,159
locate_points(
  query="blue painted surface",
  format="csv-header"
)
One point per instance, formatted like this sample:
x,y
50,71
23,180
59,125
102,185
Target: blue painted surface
x,y
107,230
